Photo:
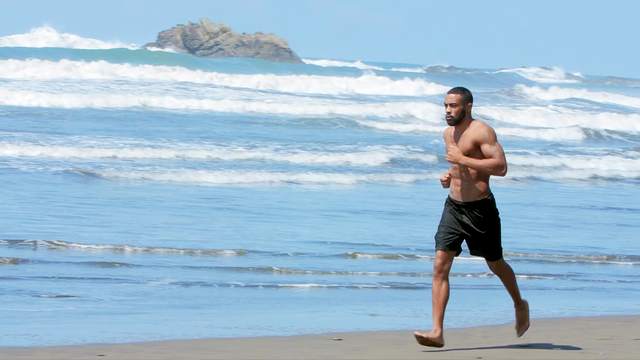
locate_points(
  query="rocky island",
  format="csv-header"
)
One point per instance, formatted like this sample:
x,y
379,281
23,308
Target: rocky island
x,y
210,39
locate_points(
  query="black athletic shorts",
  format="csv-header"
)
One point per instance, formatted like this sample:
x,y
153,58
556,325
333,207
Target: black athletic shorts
x,y
477,222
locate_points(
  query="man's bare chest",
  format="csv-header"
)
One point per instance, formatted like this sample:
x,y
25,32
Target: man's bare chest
x,y
468,147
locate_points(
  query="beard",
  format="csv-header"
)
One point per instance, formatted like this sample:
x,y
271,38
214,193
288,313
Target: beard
x,y
455,120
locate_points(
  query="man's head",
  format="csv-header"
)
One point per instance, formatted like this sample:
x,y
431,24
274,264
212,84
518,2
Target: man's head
x,y
457,105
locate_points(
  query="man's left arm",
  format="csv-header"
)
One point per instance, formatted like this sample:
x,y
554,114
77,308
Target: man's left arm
x,y
494,161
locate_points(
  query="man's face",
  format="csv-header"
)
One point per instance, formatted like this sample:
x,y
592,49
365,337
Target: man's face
x,y
455,109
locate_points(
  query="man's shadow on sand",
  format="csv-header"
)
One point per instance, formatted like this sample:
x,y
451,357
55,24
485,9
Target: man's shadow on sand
x,y
534,346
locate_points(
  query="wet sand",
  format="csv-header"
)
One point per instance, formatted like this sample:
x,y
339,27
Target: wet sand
x,y
611,337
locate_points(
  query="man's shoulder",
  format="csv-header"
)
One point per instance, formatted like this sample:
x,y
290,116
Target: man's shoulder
x,y
480,124
483,132
481,127
447,132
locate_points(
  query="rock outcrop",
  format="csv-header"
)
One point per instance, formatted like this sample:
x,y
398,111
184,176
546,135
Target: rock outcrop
x,y
209,39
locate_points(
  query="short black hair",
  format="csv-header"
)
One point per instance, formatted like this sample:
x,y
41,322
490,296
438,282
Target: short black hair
x,y
467,97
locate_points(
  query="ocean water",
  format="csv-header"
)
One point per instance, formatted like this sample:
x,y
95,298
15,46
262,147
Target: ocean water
x,y
152,195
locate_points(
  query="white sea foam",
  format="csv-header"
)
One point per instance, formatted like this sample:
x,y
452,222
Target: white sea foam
x,y
387,256
368,156
404,126
560,117
311,286
544,74
46,36
124,248
573,133
548,134
521,168
604,164
573,167
418,70
236,177
368,84
611,259
558,93
571,174
537,122
358,64
168,50
302,107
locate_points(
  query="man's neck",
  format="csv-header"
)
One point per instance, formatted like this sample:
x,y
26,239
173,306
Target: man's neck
x,y
463,125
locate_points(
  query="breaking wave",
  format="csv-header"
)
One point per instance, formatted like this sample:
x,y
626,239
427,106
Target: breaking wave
x,y
511,256
543,122
421,110
545,74
579,167
558,93
358,64
560,117
127,249
367,84
573,133
615,172
47,36
337,63
368,156
238,177
417,70
605,259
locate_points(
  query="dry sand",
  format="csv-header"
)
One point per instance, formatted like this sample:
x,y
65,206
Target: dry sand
x,y
615,337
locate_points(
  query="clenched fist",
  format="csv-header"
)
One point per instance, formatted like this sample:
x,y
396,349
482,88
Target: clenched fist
x,y
445,180
454,155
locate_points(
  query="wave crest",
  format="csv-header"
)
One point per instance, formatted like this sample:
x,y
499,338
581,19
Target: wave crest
x,y
47,36
367,84
558,93
358,64
559,117
65,245
368,156
544,74
238,177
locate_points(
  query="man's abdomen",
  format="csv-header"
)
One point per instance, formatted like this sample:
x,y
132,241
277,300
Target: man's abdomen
x,y
469,190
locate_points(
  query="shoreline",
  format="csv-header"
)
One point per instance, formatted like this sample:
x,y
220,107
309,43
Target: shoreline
x,y
611,337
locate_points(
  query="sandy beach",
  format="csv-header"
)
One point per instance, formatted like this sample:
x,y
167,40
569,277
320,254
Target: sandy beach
x,y
614,337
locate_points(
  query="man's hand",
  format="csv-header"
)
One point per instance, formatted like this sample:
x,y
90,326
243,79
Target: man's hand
x,y
454,154
445,180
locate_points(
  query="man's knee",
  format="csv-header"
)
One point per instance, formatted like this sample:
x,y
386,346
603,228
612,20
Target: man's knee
x,y
497,266
440,271
442,265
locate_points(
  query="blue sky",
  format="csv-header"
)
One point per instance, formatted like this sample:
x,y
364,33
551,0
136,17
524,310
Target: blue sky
x,y
592,37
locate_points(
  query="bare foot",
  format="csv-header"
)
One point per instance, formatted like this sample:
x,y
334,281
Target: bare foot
x,y
431,339
522,318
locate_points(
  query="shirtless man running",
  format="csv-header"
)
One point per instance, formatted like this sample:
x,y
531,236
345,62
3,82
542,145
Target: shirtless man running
x,y
470,211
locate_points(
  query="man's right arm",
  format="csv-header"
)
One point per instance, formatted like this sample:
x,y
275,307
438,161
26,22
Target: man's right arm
x,y
493,161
